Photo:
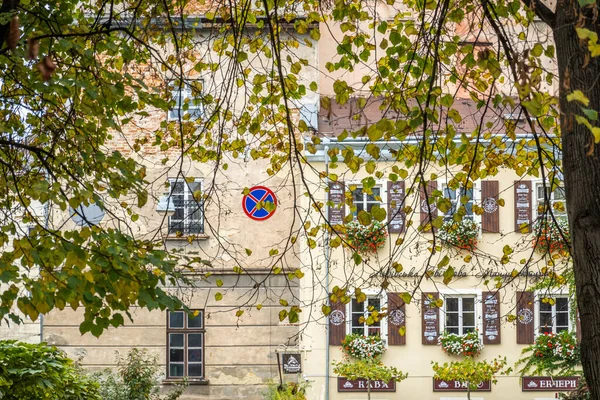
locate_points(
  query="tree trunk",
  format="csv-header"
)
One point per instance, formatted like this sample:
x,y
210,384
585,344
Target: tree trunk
x,y
368,389
582,175
468,390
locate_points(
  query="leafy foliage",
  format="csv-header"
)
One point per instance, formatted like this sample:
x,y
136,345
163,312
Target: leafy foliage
x,y
289,391
137,378
365,239
470,372
363,347
369,369
551,354
468,344
38,371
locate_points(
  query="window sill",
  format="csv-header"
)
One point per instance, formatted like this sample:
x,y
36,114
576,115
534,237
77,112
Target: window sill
x,y
201,236
190,382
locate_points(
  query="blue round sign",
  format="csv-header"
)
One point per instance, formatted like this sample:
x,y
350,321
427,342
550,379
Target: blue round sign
x,y
254,203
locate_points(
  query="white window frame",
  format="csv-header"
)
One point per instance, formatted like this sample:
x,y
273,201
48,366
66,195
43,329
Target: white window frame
x,y
186,210
536,200
539,295
477,293
195,111
382,296
443,184
382,194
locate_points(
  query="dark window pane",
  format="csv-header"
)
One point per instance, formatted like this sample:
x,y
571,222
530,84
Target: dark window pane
x,y
546,329
195,370
468,304
375,303
195,355
546,319
176,340
562,304
176,319
176,355
374,331
195,322
545,306
356,319
175,369
451,319
561,329
452,304
452,330
562,319
358,330
358,307
469,319
357,195
468,329
195,340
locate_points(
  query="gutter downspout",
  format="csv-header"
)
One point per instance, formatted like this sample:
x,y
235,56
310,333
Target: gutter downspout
x,y
326,248
46,223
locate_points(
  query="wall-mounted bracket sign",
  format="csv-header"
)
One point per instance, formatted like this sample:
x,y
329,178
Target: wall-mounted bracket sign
x,y
456,386
549,384
292,363
260,203
360,385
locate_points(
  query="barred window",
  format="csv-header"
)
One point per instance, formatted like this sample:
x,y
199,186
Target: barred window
x,y
188,218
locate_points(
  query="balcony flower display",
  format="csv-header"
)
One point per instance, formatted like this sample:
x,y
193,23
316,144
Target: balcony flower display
x,y
366,239
467,345
551,354
461,234
548,238
363,347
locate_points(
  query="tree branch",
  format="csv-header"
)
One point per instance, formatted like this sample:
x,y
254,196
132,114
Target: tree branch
x,y
542,11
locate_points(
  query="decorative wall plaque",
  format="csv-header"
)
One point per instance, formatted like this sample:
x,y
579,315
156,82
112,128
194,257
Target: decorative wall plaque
x,y
337,317
522,204
491,318
337,199
549,384
395,196
456,386
360,385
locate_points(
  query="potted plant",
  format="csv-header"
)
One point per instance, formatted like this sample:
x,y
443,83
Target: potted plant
x,y
362,360
461,345
461,234
365,239
551,354
470,373
548,238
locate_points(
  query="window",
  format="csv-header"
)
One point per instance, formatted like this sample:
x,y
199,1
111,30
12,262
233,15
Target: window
x,y
362,320
185,345
364,201
556,198
460,314
186,100
553,314
188,218
458,197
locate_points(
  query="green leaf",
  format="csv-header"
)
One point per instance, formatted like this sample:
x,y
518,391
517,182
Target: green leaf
x,y
577,95
218,296
364,218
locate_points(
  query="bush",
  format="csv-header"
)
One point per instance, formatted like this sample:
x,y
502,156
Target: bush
x,y
137,378
461,345
287,391
38,371
553,354
548,238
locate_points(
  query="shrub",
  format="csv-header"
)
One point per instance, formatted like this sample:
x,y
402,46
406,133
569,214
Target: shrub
x,y
38,371
461,345
363,347
551,354
137,378
471,372
287,391
365,239
461,234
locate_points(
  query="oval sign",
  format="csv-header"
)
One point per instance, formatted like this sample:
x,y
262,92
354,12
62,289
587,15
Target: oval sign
x,y
259,195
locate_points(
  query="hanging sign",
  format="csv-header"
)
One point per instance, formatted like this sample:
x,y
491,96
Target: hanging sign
x,y
260,203
292,364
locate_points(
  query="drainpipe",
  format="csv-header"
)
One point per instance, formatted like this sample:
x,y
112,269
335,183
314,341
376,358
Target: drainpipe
x,y
46,223
327,249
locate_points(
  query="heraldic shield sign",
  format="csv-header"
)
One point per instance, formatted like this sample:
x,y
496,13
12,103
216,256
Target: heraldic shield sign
x,y
292,364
